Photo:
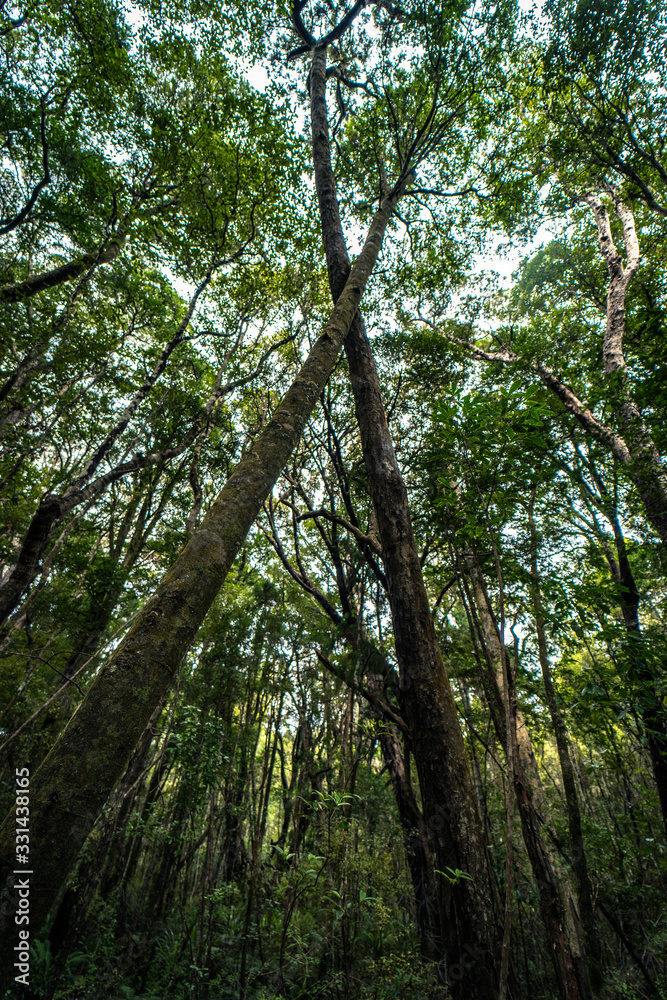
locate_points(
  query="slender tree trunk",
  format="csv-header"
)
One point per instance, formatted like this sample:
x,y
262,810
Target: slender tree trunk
x,y
508,678
645,466
52,508
68,791
579,862
450,811
557,903
650,702
257,839
632,444
415,838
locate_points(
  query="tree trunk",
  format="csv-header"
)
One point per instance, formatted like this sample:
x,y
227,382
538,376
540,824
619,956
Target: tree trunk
x,y
415,838
579,862
650,701
53,508
74,781
557,903
377,669
645,465
450,812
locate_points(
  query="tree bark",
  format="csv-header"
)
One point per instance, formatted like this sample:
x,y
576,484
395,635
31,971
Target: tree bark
x,y
468,907
77,776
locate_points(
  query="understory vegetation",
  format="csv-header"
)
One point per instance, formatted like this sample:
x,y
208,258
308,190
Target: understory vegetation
x,y
333,602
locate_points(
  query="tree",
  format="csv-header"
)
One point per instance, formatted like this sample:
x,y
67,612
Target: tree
x,y
432,678
147,657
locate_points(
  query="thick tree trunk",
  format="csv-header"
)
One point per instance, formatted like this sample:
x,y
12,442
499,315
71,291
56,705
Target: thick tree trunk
x,y
69,789
69,920
570,968
450,812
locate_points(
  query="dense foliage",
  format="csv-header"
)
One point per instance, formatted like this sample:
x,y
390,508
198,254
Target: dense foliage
x,y
162,280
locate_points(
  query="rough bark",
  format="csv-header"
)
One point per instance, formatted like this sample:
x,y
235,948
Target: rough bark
x,y
646,466
74,781
468,908
508,687
69,919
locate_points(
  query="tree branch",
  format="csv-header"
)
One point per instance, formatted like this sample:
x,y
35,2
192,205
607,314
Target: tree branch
x,y
9,224
364,691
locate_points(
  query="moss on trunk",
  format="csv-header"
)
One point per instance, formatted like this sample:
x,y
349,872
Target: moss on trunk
x,y
70,788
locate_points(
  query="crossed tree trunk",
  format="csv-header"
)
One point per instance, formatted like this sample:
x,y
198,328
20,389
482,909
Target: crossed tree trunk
x,y
468,908
70,788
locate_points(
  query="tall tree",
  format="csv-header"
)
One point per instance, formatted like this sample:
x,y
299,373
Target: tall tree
x,y
467,909
93,751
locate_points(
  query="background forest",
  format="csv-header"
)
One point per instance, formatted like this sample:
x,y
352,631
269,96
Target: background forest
x,y
416,745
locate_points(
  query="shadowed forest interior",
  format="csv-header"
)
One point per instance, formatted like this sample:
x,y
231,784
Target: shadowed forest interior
x,y
333,505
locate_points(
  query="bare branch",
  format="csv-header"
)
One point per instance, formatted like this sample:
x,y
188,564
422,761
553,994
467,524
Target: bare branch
x,y
9,224
336,519
364,691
